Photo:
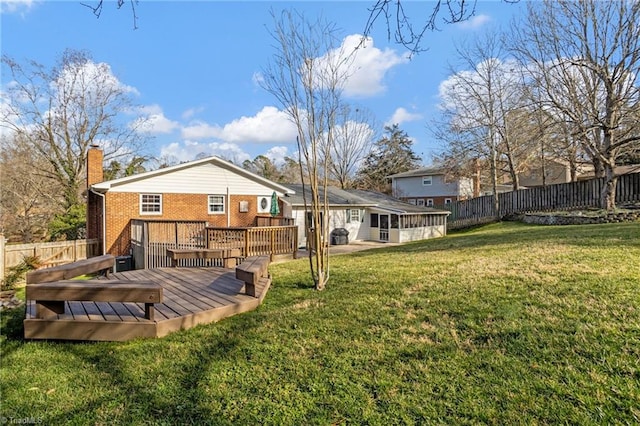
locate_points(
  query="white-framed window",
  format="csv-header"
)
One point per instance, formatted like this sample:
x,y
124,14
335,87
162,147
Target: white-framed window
x,y
429,202
447,201
421,202
412,201
427,180
150,204
353,215
216,204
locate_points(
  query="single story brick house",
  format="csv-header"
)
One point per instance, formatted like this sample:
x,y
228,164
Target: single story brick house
x,y
210,190
369,216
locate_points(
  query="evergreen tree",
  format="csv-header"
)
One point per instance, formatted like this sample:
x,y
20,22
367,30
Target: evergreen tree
x,y
392,154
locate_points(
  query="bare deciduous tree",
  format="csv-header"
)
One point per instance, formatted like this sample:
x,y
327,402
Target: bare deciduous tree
x,y
584,57
480,101
402,24
98,5
306,76
28,199
61,112
353,141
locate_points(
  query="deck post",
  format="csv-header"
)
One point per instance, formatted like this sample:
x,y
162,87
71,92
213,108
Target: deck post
x,y
149,311
273,244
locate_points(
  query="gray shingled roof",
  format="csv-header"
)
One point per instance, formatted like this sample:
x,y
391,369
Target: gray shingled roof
x,y
357,198
335,196
387,201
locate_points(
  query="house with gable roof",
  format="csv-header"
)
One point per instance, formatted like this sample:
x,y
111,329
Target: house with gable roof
x,y
208,190
368,215
430,186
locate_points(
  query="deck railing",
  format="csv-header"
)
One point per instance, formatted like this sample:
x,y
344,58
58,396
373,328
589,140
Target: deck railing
x,y
150,240
274,221
255,241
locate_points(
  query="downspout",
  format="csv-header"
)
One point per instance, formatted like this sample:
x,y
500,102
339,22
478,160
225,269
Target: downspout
x,y
228,209
104,224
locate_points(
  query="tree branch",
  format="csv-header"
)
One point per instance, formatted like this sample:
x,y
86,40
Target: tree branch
x,y
97,9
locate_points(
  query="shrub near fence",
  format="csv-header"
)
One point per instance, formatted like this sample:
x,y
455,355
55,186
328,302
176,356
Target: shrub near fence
x,y
51,254
562,196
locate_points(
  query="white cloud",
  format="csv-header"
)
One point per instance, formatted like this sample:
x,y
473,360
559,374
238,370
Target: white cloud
x,y
258,79
401,115
269,125
190,150
370,66
191,112
366,65
474,22
159,124
277,154
153,121
16,6
200,130
90,79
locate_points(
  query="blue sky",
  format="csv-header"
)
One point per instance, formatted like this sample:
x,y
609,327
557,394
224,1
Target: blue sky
x,y
192,66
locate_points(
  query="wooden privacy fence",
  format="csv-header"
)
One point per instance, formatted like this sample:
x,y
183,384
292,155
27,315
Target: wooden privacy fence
x,y
150,240
51,254
562,196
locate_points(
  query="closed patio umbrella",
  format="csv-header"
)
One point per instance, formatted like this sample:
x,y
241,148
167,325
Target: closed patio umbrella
x,y
275,210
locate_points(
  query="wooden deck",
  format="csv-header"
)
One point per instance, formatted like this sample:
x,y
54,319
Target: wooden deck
x,y
192,296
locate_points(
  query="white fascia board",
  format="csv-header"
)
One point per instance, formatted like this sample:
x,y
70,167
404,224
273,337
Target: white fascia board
x,y
107,185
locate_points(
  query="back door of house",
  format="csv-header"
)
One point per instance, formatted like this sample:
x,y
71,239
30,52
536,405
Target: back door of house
x,y
384,227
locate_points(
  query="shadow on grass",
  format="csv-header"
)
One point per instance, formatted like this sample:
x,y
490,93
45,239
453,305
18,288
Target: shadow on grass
x,y
165,389
11,323
139,376
11,331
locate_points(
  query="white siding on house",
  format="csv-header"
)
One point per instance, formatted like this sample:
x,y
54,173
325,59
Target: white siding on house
x,y
412,186
337,219
421,233
202,179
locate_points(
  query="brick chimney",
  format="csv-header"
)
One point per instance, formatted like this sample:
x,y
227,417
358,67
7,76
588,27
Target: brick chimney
x,y
94,165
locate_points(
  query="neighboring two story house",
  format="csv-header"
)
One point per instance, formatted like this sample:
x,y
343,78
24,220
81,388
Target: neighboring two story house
x,y
430,187
210,190
556,171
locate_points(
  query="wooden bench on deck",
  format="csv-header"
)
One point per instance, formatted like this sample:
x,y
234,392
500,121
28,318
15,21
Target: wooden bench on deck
x,y
51,297
251,271
228,256
52,288
92,265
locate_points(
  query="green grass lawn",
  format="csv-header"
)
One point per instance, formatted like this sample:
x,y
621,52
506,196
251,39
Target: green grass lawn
x,y
504,324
